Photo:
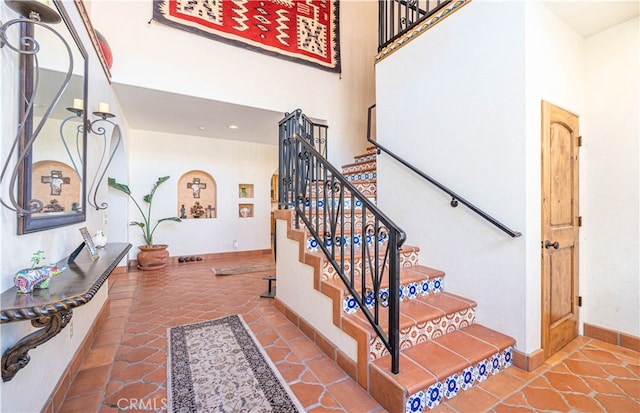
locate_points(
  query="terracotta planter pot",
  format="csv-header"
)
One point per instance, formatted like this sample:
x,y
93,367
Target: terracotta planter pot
x,y
154,257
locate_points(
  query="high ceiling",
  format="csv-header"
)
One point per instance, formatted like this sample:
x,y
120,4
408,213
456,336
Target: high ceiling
x,y
156,110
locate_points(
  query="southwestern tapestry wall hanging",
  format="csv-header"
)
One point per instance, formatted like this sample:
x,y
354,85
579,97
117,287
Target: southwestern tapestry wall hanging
x,y
304,31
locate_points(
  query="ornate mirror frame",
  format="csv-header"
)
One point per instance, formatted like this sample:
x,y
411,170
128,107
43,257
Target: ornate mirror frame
x,y
28,223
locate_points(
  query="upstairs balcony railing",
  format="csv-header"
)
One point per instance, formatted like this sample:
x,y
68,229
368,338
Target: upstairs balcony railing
x,y
361,244
396,17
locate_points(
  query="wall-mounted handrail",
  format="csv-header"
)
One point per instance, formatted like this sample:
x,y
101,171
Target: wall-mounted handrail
x,y
359,241
455,198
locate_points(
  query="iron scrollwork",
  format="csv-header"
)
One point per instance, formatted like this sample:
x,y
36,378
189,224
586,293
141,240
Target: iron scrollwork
x,y
17,357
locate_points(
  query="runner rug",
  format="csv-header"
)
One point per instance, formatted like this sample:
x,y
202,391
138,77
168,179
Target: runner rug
x,y
219,366
244,268
304,31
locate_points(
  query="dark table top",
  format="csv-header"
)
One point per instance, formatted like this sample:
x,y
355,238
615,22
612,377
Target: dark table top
x,y
75,286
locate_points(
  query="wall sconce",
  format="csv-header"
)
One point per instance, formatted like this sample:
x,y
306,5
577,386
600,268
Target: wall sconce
x,y
41,15
78,110
98,129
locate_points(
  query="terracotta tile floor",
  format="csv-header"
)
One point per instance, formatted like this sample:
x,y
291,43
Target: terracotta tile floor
x,y
125,369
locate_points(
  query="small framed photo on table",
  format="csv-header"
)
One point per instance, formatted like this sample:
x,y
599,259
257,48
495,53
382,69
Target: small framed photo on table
x,y
88,241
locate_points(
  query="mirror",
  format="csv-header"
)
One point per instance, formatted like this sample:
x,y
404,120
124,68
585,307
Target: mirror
x,y
53,175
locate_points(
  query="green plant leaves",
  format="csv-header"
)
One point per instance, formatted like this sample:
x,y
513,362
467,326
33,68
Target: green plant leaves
x,y
120,187
176,219
146,227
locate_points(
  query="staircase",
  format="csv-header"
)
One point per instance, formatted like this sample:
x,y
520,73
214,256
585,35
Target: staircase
x,y
443,351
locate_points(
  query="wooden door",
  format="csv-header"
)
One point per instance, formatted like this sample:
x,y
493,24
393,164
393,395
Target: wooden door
x,y
560,144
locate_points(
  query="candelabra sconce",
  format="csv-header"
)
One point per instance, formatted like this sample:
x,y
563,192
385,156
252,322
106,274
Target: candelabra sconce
x,y
78,111
33,14
98,128
34,10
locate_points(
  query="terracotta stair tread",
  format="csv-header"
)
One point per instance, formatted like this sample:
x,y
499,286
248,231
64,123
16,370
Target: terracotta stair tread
x,y
489,336
358,163
405,249
447,302
436,360
411,378
367,168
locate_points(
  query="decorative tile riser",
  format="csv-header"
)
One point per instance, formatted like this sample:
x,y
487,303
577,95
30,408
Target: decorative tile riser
x,y
425,331
361,176
464,380
313,244
366,188
360,166
333,236
321,204
407,292
407,259
365,158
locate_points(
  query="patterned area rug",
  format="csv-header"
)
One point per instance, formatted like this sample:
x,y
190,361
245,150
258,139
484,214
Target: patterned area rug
x,y
219,366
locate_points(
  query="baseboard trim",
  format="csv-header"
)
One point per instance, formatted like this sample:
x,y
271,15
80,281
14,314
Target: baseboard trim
x,y
132,264
327,347
614,337
59,393
528,362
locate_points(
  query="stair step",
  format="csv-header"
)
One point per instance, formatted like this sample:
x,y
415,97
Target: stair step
x,y
371,151
345,239
408,258
422,319
415,282
364,174
321,203
439,369
368,187
363,164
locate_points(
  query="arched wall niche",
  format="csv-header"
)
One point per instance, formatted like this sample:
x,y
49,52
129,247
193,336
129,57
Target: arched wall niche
x,y
56,185
197,195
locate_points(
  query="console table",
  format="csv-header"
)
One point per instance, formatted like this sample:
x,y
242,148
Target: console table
x,y
51,309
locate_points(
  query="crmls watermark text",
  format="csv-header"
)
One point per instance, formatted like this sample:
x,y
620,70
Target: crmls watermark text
x,y
142,404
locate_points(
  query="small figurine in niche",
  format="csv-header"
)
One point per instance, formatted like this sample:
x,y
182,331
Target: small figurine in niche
x,y
53,206
183,212
197,210
209,211
243,192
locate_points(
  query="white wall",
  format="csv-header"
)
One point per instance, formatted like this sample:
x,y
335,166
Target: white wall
x,y
48,361
459,115
230,163
474,124
160,57
610,266
555,73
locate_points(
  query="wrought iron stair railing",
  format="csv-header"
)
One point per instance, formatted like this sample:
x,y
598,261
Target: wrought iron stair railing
x,y
358,240
396,17
455,198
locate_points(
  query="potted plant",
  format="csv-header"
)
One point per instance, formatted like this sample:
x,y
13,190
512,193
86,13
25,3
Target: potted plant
x,y
151,256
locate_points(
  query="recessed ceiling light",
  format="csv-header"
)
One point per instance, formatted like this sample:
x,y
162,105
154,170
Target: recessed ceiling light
x,y
201,127
233,126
